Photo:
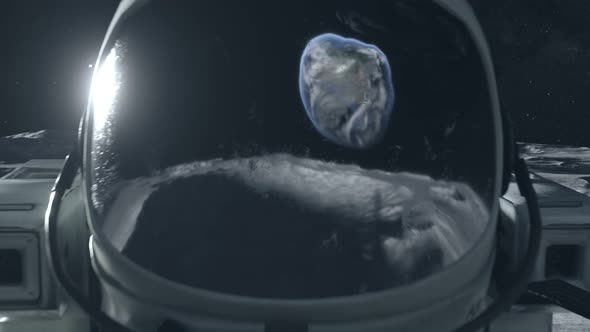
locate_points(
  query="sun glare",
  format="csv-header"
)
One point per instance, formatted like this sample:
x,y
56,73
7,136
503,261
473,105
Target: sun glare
x,y
105,84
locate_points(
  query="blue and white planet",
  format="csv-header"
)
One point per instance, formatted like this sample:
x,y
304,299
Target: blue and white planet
x,y
347,90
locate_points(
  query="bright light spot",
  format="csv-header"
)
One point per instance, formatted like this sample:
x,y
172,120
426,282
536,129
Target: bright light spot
x,y
104,90
3,319
89,65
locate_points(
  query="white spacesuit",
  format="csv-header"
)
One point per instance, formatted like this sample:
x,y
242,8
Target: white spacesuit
x,y
219,197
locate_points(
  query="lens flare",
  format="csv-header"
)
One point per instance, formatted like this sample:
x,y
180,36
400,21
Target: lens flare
x,y
104,89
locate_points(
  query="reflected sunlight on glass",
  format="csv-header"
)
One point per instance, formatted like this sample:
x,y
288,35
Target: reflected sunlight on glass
x,y
105,84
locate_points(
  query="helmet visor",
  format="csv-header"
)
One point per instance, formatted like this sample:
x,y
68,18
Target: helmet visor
x,y
291,149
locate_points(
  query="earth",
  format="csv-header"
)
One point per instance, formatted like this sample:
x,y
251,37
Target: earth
x,y
346,87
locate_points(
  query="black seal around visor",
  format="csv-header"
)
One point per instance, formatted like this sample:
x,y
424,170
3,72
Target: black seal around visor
x,y
292,149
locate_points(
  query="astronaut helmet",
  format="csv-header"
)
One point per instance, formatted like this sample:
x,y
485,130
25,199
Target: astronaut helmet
x,y
292,165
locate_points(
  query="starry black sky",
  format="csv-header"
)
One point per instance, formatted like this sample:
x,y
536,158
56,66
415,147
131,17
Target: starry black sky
x,y
47,47
541,50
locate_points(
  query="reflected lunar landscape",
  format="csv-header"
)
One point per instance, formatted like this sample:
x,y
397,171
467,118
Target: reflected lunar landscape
x,y
406,224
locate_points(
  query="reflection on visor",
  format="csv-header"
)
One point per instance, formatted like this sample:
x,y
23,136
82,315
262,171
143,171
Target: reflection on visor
x,y
288,227
346,88
278,156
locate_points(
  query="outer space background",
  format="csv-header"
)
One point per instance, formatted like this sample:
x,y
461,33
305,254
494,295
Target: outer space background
x,y
541,51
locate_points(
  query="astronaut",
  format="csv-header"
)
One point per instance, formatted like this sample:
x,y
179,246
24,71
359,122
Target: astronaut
x,y
237,171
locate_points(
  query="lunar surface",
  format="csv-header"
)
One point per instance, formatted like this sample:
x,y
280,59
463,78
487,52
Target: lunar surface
x,y
43,144
347,90
566,165
307,212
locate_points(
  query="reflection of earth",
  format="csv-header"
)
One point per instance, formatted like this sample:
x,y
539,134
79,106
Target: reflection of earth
x,y
346,89
566,165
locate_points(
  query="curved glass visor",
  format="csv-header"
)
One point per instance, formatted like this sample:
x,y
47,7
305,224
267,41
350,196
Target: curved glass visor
x,y
266,149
